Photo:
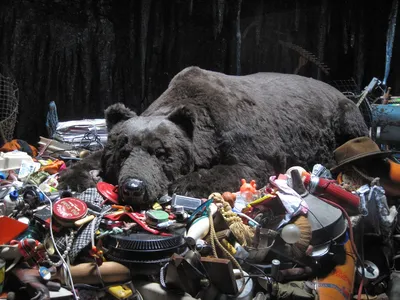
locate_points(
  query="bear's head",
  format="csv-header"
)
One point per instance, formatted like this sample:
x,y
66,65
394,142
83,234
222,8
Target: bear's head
x,y
145,154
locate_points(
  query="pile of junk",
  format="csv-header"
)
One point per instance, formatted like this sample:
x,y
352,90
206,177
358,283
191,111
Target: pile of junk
x,y
305,234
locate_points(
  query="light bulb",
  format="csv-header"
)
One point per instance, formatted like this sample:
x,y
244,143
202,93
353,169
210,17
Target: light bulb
x,y
291,234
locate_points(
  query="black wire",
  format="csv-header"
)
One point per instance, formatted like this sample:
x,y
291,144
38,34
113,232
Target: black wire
x,y
254,266
352,256
362,254
247,281
254,276
94,287
309,210
365,291
322,226
362,246
359,259
88,138
257,268
37,296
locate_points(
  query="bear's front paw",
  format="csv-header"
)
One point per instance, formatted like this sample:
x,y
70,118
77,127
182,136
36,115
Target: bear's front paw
x,y
189,185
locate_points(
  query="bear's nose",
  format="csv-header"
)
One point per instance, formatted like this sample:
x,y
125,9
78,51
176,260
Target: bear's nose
x,y
133,187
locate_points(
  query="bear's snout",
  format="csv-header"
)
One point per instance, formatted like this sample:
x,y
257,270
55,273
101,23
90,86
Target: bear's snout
x,y
133,186
133,191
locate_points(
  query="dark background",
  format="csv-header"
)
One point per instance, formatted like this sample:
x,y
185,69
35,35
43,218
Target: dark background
x,y
87,54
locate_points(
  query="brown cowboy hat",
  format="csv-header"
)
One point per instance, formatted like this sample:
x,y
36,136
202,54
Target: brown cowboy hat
x,y
357,149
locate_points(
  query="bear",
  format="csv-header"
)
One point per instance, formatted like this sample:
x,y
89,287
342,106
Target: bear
x,y
208,130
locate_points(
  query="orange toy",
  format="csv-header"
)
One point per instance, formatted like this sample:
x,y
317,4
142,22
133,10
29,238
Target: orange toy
x,y
53,167
248,187
339,284
394,171
248,190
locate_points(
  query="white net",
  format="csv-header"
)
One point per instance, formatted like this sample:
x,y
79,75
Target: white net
x,y
8,105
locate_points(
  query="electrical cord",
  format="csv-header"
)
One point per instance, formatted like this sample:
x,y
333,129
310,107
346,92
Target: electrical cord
x,y
94,287
319,222
353,245
64,263
362,255
360,288
359,259
258,269
105,287
246,217
37,296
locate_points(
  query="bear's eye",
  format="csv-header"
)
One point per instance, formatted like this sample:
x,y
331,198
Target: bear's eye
x,y
123,154
160,152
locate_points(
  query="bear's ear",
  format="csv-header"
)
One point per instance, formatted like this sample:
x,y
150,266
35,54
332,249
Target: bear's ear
x,y
116,113
183,118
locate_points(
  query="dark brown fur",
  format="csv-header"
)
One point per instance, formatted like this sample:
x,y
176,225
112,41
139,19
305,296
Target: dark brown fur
x,y
208,130
78,177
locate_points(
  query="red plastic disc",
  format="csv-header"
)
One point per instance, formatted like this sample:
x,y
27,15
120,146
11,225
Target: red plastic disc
x,y
108,191
69,209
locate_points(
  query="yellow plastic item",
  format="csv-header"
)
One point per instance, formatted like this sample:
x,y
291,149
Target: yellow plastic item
x,y
157,206
339,284
262,199
120,291
229,247
257,201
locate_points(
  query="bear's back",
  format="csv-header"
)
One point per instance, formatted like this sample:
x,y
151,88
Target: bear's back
x,y
255,96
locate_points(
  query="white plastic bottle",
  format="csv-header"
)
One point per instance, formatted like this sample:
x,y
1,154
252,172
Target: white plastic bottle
x,y
240,202
201,226
10,201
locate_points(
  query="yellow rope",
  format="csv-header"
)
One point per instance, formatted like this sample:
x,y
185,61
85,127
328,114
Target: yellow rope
x,y
243,233
214,238
212,234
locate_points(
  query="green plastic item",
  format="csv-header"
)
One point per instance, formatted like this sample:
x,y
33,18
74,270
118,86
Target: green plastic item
x,y
154,217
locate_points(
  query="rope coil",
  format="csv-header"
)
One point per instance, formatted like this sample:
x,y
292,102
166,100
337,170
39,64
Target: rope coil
x,y
242,232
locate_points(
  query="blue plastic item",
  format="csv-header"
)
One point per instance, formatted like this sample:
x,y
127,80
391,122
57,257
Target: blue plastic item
x,y
14,195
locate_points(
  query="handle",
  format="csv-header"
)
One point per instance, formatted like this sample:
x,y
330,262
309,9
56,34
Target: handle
x,y
85,220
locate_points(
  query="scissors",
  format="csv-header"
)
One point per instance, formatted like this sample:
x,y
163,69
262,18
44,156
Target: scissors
x,y
202,209
137,218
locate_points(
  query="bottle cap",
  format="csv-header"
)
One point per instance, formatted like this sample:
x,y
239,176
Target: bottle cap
x,y
14,195
44,273
276,262
154,217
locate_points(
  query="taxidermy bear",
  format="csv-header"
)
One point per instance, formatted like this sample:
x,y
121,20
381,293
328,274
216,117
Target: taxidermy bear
x,y
208,130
